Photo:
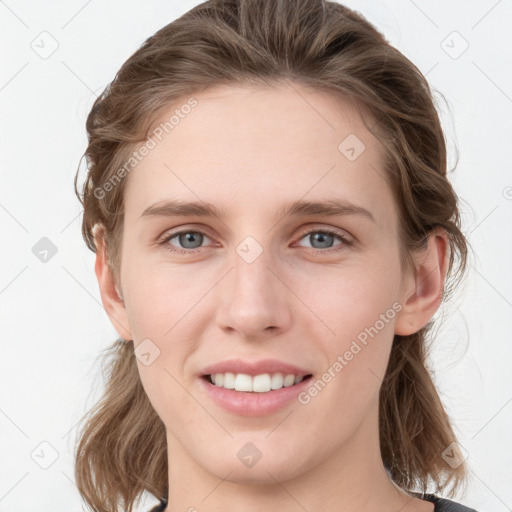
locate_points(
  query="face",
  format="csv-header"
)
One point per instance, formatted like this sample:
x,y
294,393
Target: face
x,y
319,293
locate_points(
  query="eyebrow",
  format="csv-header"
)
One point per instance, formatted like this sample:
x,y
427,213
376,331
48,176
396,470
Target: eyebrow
x,y
329,207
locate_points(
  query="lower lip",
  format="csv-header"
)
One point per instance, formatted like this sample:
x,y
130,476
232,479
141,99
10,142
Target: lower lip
x,y
248,403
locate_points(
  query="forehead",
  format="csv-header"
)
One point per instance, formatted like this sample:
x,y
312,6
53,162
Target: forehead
x,y
256,147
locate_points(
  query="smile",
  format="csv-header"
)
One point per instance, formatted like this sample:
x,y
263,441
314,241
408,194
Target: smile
x,y
262,383
255,395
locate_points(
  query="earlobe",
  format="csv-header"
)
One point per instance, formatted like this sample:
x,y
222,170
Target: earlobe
x,y
422,301
110,296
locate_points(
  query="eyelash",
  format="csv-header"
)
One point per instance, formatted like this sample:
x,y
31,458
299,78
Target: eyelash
x,y
341,247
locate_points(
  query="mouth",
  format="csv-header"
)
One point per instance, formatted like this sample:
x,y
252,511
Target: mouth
x,y
262,383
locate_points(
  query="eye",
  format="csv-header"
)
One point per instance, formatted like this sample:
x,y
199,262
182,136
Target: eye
x,y
191,240
324,239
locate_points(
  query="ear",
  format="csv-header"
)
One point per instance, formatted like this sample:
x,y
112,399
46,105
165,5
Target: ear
x,y
423,292
111,298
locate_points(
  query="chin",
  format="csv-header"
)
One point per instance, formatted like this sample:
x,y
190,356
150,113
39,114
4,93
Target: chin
x,y
262,473
255,459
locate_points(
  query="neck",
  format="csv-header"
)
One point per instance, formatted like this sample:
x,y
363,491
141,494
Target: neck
x,y
352,477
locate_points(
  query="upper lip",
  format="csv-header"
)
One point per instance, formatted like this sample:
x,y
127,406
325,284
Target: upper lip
x,y
253,367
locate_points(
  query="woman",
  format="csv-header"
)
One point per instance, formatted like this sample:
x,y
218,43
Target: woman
x,y
268,201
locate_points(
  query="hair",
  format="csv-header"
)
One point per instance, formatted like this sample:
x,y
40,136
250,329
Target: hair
x,y
322,45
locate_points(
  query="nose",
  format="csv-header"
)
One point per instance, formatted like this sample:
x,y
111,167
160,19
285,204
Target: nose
x,y
254,299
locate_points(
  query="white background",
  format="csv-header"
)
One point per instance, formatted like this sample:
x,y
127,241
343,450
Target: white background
x,y
52,323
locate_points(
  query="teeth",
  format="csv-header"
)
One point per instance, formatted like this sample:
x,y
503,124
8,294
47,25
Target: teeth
x,y
242,382
277,381
229,380
259,383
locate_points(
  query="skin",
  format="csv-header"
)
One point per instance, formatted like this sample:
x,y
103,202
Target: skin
x,y
249,151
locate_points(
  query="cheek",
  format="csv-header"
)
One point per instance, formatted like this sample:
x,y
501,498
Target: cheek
x,y
162,297
354,326
165,314
348,298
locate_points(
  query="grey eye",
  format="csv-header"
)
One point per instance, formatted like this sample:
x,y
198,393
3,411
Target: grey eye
x,y
188,239
322,239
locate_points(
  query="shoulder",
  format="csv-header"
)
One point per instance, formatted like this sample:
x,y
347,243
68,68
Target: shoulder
x,y
446,505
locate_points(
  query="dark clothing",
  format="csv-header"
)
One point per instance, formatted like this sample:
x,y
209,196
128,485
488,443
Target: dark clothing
x,y
440,505
445,505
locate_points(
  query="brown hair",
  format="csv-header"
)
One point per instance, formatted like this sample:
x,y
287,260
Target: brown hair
x,y
319,44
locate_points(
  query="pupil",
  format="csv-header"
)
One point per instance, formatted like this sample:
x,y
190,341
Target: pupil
x,y
321,237
189,237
